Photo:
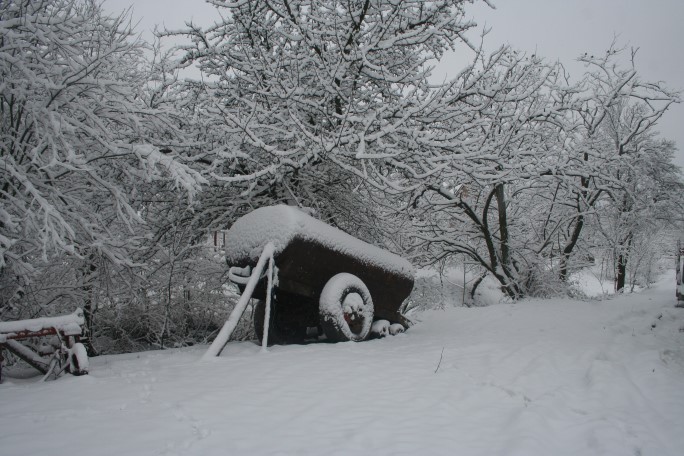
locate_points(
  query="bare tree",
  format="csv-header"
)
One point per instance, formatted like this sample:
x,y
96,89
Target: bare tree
x,y
337,86
619,113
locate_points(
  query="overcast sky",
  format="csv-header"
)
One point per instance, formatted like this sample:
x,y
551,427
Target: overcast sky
x,y
555,29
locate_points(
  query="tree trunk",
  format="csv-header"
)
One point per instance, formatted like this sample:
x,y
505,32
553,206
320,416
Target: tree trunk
x,y
512,287
576,231
90,268
623,256
503,227
569,247
621,273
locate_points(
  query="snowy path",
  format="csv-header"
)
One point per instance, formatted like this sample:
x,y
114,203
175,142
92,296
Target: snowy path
x,y
533,378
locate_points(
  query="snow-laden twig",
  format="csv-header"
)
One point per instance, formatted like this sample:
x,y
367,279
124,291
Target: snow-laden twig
x,y
440,360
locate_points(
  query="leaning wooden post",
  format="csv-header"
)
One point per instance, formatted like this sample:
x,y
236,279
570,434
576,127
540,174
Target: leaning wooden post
x,y
224,335
269,299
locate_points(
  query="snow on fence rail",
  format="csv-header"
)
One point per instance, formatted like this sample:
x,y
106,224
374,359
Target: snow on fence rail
x,y
68,325
67,355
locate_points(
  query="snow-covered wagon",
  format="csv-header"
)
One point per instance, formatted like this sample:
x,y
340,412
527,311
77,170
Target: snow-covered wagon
x,y
322,277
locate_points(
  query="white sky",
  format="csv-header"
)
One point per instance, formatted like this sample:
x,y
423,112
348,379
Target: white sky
x,y
555,29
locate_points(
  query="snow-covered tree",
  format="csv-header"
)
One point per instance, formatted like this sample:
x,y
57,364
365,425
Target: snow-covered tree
x,y
79,148
506,131
328,104
537,160
639,215
304,93
618,158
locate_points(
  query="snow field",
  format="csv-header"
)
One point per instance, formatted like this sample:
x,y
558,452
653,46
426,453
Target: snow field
x,y
540,377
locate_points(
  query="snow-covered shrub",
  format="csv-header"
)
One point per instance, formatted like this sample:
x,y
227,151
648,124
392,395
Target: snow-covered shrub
x,y
84,160
547,284
380,329
443,288
174,306
428,293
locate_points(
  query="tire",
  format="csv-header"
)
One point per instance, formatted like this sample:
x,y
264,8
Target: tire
x,y
78,359
345,309
279,331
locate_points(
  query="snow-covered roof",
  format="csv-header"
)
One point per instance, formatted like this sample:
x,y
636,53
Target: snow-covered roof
x,y
68,324
281,224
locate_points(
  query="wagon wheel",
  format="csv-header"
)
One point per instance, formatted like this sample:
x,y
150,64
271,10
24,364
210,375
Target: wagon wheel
x,y
346,309
78,359
279,330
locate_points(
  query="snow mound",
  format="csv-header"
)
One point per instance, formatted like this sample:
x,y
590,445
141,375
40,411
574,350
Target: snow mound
x,y
380,328
281,224
396,328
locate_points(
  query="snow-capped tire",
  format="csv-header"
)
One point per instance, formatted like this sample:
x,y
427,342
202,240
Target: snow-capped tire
x,y
345,309
78,359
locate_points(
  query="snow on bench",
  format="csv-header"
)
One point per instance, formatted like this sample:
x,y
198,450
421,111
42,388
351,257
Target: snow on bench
x,y
68,325
281,224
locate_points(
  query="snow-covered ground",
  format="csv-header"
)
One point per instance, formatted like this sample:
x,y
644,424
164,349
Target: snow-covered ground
x,y
540,377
